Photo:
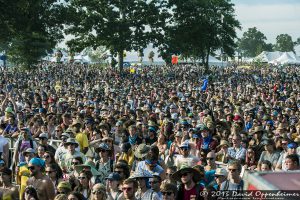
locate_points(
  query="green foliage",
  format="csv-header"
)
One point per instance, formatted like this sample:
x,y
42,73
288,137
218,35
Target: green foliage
x,y
253,42
198,28
116,24
29,28
284,43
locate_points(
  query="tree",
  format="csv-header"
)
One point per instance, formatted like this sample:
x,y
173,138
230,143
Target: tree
x,y
284,43
116,24
253,42
198,28
30,28
151,56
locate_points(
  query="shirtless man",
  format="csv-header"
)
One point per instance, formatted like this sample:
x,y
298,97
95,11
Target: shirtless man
x,y
8,190
42,183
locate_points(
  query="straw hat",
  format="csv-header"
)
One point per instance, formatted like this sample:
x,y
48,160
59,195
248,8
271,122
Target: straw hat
x,y
257,129
141,174
142,151
221,172
223,142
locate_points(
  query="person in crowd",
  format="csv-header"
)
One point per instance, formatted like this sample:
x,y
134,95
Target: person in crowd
x,y
234,181
145,192
9,191
292,162
189,187
84,186
129,188
269,154
43,138
112,186
38,180
99,192
168,191
236,152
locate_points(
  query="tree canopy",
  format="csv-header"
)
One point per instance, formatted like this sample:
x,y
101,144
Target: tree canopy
x,y
253,42
284,42
116,24
29,28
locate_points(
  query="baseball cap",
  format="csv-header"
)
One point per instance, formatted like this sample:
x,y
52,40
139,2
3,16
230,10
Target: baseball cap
x,y
43,135
114,176
292,145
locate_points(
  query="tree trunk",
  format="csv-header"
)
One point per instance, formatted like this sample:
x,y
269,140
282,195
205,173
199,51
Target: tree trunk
x,y
120,53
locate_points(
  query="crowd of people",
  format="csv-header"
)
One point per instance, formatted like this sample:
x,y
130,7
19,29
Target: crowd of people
x,y
75,132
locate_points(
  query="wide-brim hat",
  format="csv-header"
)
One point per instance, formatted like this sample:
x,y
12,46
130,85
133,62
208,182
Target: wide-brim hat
x,y
141,174
257,129
222,143
88,164
141,151
281,126
71,141
196,174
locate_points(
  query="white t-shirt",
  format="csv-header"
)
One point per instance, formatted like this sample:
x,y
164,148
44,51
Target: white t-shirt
x,y
3,142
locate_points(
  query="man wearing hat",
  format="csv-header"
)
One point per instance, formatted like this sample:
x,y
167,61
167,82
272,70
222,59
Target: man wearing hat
x,y
43,137
185,158
220,177
189,187
155,183
104,165
44,186
71,144
9,191
113,182
64,187
145,192
291,149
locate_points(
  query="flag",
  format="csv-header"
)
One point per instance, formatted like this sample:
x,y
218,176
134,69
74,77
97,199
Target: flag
x,y
174,60
204,85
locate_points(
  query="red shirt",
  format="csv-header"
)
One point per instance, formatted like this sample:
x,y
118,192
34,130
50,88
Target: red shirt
x,y
189,194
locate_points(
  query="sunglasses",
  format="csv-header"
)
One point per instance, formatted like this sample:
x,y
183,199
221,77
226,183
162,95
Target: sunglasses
x,y
185,174
47,156
81,177
210,158
218,176
167,193
31,167
97,192
184,149
102,150
126,188
49,172
75,163
153,182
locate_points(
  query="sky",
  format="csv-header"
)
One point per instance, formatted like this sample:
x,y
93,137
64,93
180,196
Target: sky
x,y
271,17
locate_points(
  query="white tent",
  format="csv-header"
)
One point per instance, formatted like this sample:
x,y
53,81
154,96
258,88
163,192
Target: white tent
x,y
286,58
267,56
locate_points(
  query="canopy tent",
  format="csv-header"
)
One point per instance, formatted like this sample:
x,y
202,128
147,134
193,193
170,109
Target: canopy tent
x,y
278,57
286,58
82,59
267,56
